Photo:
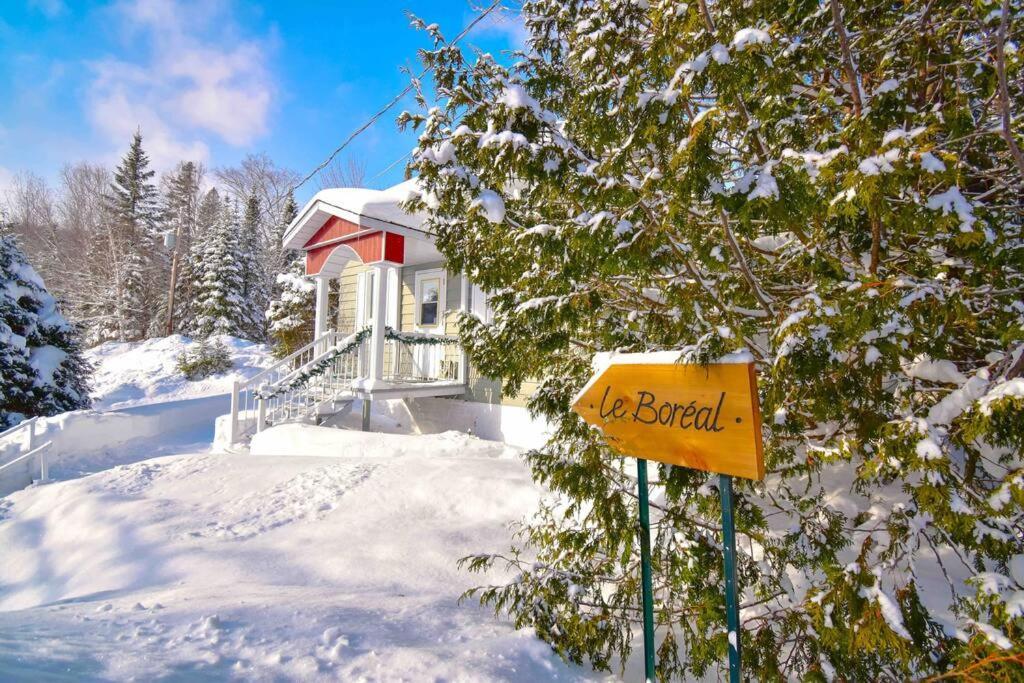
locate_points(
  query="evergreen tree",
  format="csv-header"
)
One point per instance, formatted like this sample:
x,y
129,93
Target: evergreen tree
x,y
42,370
290,316
281,260
133,213
190,282
220,305
181,216
835,188
254,282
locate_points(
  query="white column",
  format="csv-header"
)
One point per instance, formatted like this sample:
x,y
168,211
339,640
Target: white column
x,y
380,303
323,290
463,358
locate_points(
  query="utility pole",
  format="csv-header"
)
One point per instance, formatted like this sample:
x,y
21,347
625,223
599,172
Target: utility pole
x,y
174,279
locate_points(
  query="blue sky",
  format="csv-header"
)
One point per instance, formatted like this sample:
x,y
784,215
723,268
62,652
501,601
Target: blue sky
x,y
213,80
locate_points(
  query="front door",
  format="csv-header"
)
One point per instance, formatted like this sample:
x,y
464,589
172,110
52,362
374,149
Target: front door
x,y
430,314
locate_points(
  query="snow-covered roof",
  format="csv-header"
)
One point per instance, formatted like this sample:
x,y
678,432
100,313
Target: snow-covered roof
x,y
372,209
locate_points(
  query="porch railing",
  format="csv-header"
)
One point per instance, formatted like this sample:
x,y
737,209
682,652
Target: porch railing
x,y
405,362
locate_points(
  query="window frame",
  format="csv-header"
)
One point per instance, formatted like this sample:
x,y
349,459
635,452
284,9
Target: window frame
x,y
422,276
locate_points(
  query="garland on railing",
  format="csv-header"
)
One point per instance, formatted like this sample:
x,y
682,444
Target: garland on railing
x,y
353,343
418,338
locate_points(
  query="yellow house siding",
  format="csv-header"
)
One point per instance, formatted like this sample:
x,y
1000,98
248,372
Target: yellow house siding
x,y
347,296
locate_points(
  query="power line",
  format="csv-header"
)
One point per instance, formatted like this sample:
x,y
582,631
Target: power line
x,y
392,165
373,119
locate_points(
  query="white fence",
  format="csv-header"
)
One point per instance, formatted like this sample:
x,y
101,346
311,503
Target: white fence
x,y
21,457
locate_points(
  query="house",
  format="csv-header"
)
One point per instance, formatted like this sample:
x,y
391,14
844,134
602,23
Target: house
x,y
385,326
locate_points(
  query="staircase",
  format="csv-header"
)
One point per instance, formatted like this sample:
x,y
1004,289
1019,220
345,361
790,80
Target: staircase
x,y
313,381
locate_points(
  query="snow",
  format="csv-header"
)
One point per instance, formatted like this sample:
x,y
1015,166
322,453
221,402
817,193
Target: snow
x,y
492,204
927,449
135,373
749,36
516,97
1016,565
878,164
1013,388
993,634
325,555
887,86
45,360
871,355
959,400
951,201
940,371
720,53
890,610
931,164
765,187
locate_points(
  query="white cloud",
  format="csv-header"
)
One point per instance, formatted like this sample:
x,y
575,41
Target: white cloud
x,y
507,22
199,82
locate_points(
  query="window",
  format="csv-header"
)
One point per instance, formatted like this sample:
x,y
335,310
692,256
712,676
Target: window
x,y
430,299
430,294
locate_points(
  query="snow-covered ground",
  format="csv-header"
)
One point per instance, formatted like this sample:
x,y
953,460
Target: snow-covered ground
x,y
131,373
269,567
142,407
326,554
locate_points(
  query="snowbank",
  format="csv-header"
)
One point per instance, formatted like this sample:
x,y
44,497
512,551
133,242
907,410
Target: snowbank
x,y
265,567
133,373
89,440
509,424
301,439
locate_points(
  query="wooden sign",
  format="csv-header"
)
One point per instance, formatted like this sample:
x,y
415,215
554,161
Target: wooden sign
x,y
705,417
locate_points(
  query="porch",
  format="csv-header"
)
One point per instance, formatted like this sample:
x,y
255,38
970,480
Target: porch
x,y
375,348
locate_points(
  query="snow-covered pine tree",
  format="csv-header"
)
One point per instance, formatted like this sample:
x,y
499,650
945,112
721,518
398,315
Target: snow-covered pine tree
x,y
181,215
834,187
254,283
134,216
42,370
280,259
193,268
291,312
219,305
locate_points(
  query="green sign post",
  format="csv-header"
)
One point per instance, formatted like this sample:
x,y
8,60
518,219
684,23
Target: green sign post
x,y
732,602
645,569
